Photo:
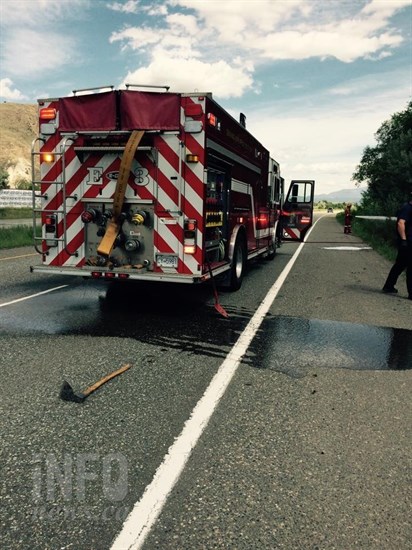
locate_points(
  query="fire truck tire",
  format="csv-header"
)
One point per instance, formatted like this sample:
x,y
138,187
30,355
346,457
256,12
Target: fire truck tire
x,y
272,251
238,264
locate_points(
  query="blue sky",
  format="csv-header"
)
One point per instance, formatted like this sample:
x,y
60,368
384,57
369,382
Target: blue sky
x,y
315,78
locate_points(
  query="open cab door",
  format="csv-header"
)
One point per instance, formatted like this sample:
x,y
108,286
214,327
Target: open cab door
x,y
297,211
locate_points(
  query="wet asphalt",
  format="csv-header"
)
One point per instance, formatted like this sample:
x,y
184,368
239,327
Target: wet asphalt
x,y
309,448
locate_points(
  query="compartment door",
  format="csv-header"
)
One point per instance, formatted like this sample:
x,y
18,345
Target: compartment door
x,y
297,211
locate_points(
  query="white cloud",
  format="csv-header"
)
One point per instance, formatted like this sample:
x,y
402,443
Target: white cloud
x,y
33,13
188,75
8,91
131,6
137,38
33,42
322,138
258,31
183,23
296,30
29,53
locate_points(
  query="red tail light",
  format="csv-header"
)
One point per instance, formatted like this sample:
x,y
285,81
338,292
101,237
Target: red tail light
x,y
189,244
51,222
50,229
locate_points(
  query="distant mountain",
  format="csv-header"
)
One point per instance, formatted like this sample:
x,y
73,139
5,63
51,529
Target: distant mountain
x,y
344,195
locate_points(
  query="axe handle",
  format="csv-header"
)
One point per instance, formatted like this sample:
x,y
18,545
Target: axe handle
x,y
107,242
97,385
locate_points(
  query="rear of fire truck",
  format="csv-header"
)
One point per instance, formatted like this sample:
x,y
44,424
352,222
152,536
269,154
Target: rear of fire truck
x,y
121,187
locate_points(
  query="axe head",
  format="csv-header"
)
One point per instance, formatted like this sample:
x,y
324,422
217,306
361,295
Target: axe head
x,y
67,394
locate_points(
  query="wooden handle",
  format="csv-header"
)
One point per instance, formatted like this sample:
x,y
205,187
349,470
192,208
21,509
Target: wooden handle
x,y
107,242
94,387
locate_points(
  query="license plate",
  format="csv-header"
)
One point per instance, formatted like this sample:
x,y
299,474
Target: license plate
x,y
166,261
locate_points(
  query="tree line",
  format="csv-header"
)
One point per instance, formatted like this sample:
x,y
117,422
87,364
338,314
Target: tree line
x,y
386,168
4,180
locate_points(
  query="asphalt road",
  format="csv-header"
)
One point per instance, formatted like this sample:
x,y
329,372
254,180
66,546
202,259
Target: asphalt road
x,y
309,447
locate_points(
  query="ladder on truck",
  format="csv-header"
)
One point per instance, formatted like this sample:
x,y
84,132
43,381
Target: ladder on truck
x,y
36,153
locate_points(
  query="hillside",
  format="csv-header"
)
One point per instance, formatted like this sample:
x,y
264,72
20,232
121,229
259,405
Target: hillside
x,y
18,128
343,195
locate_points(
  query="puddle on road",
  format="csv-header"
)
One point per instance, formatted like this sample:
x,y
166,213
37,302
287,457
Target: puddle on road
x,y
291,345
185,321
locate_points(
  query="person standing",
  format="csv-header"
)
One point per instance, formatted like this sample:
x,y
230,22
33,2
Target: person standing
x,y
404,258
348,218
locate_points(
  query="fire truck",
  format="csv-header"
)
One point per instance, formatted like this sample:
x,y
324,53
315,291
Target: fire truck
x,y
145,184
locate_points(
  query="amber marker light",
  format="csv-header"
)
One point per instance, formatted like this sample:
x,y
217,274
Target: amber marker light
x,y
47,157
47,113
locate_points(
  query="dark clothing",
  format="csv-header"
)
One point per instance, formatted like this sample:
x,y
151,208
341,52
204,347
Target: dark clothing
x,y
404,258
405,213
403,261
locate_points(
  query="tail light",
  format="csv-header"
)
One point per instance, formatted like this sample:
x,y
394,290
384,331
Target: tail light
x,y
50,227
51,222
189,242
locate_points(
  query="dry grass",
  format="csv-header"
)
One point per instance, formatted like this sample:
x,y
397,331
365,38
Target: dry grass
x,y
18,128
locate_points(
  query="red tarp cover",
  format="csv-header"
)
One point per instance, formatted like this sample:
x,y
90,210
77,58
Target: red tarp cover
x,y
88,112
149,111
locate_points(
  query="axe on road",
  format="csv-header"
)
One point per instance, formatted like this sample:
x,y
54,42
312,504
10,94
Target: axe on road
x,y
67,393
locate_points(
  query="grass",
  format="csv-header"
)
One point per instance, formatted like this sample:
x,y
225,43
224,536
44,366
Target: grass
x,y
8,213
379,234
19,235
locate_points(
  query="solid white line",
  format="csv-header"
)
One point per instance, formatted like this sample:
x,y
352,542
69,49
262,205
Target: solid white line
x,y
346,247
32,296
145,512
15,257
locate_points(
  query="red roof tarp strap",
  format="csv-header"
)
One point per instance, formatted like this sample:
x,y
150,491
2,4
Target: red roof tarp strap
x,y
149,110
94,112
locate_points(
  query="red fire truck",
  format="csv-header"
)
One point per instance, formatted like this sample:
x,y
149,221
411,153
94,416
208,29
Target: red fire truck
x,y
152,185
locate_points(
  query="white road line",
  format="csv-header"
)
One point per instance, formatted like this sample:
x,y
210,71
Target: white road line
x,y
33,296
15,257
346,247
146,511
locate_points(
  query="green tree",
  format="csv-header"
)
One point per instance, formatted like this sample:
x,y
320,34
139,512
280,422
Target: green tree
x,y
4,178
387,167
23,184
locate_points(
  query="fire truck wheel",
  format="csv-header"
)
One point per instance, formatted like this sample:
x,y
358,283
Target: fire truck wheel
x,y
238,263
272,251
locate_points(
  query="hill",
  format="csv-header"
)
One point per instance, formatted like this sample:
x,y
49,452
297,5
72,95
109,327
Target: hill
x,y
343,195
18,128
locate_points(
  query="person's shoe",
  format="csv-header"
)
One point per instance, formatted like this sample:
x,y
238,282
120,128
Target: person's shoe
x,y
389,290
